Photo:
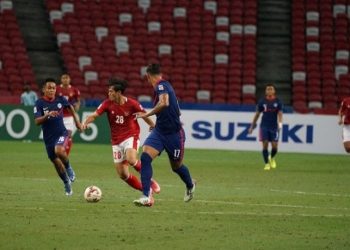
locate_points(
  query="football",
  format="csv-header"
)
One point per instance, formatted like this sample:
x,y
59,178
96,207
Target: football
x,y
93,194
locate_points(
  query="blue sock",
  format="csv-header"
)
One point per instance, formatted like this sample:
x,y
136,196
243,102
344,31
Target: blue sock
x,y
63,177
69,170
185,175
265,153
273,152
146,173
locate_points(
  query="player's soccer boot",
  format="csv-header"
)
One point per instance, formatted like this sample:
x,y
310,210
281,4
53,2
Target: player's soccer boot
x,y
190,192
155,186
267,166
144,201
68,189
71,174
272,162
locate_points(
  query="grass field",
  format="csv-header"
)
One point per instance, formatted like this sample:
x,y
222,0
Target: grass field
x,y
303,204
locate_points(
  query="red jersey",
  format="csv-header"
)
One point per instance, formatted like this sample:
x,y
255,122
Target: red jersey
x,y
345,110
121,119
72,95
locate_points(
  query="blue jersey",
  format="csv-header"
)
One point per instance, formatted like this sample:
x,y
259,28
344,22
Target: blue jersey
x,y
168,120
53,127
269,109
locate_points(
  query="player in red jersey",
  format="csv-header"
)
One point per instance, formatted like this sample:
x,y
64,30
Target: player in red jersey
x,y
125,130
72,95
344,119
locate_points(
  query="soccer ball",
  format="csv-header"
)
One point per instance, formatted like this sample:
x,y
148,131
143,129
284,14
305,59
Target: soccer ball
x,y
92,194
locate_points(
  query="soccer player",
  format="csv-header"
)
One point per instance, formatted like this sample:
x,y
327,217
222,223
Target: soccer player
x,y
167,135
125,131
344,119
48,112
72,94
271,124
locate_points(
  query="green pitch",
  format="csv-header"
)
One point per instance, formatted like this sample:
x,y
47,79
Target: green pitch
x,y
303,204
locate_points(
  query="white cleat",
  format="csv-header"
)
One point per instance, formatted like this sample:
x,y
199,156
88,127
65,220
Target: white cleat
x,y
144,201
190,192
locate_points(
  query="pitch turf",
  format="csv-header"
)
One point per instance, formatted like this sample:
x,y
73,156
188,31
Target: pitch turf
x,y
303,204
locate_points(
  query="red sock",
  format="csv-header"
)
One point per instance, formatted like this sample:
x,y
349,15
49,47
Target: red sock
x,y
137,166
69,146
134,182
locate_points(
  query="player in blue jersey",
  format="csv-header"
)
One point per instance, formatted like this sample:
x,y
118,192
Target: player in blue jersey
x,y
271,123
48,112
167,135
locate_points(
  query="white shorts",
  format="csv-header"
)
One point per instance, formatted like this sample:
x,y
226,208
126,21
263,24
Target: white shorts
x,y
119,151
346,133
69,124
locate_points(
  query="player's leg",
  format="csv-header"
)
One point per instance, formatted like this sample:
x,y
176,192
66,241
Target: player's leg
x,y
60,169
60,151
131,147
346,138
265,153
264,138
70,126
124,174
151,149
122,166
174,146
274,136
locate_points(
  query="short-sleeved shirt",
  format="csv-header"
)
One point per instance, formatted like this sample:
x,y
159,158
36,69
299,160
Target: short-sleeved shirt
x,y
269,109
345,110
29,98
121,119
53,127
72,94
168,120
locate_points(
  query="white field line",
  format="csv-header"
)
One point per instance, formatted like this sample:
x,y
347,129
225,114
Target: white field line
x,y
310,193
153,210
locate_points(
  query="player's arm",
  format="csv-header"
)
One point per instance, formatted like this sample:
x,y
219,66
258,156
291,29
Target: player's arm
x,y
41,119
161,104
255,119
341,114
77,104
150,122
75,117
280,119
91,118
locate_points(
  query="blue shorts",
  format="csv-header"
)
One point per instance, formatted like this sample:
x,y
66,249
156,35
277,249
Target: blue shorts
x,y
50,148
174,144
267,134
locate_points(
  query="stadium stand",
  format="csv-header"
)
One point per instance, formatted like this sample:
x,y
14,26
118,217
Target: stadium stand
x,y
320,55
15,67
201,45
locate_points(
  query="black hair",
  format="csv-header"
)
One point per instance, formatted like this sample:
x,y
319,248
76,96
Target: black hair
x,y
153,69
270,85
118,84
48,80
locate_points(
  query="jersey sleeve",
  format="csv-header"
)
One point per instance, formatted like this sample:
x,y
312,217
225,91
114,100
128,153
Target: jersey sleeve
x,y
102,108
138,107
162,88
38,110
65,102
260,106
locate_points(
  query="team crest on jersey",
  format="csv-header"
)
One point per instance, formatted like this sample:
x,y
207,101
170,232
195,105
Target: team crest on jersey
x,y
275,105
160,87
59,105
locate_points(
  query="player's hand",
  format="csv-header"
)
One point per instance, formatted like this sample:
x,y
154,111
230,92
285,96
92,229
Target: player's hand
x,y
53,113
140,115
252,127
150,128
79,127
